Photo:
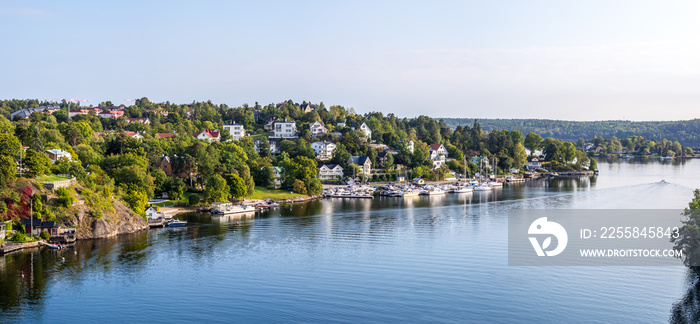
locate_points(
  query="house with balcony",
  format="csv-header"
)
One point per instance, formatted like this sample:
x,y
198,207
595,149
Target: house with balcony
x,y
236,130
533,163
56,154
317,128
284,129
323,150
330,172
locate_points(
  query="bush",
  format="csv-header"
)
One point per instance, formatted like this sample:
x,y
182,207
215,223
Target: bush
x,y
66,197
45,235
299,187
194,200
19,238
96,214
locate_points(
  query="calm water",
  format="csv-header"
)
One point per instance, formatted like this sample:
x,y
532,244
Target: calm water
x,y
427,259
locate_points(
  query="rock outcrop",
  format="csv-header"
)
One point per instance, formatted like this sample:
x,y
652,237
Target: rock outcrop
x,y
122,221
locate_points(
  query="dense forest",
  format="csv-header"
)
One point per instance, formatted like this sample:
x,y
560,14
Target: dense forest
x,y
687,132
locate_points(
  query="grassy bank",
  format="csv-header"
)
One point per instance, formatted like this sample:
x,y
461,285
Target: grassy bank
x,y
265,193
52,178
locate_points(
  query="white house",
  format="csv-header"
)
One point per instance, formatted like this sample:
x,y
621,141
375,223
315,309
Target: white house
x,y
278,176
324,150
317,128
438,154
364,128
111,114
55,155
236,130
152,212
284,129
208,135
533,164
330,172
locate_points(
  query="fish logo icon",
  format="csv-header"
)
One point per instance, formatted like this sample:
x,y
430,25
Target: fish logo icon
x,y
542,226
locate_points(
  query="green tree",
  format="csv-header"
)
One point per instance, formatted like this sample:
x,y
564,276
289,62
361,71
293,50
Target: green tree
x,y
237,186
9,145
688,239
533,142
299,187
7,170
66,196
519,155
593,164
37,163
217,189
137,198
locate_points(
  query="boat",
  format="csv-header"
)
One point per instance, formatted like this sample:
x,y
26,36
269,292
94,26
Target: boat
x,y
495,184
225,208
176,223
483,187
432,191
464,189
50,246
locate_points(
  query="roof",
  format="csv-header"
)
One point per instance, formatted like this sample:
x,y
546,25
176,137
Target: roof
x,y
435,147
164,135
57,152
331,166
33,222
359,160
382,154
278,169
532,159
211,133
318,121
49,225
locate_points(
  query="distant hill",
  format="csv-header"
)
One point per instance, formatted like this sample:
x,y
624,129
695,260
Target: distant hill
x,y
687,132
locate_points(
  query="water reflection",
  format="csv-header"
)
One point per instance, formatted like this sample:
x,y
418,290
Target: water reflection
x,y
687,309
327,229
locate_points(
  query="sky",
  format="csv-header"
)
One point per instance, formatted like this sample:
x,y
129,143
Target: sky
x,y
573,60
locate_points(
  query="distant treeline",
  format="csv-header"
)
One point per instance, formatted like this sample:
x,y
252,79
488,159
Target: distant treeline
x,y
687,132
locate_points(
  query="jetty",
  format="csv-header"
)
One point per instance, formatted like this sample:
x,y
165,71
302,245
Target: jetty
x,y
8,247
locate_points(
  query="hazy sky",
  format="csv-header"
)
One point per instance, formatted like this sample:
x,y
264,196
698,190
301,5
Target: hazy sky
x,y
583,60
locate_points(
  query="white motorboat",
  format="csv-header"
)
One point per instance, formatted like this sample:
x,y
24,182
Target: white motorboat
x,y
483,187
464,189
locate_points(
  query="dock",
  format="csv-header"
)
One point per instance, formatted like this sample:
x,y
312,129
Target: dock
x,y
11,247
156,222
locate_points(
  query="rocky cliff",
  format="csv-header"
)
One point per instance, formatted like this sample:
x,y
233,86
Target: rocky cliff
x,y
122,221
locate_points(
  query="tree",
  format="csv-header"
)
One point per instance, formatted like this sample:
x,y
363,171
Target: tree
x,y
9,145
137,199
37,163
533,142
7,170
217,189
688,239
299,187
66,196
237,186
593,164
519,155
